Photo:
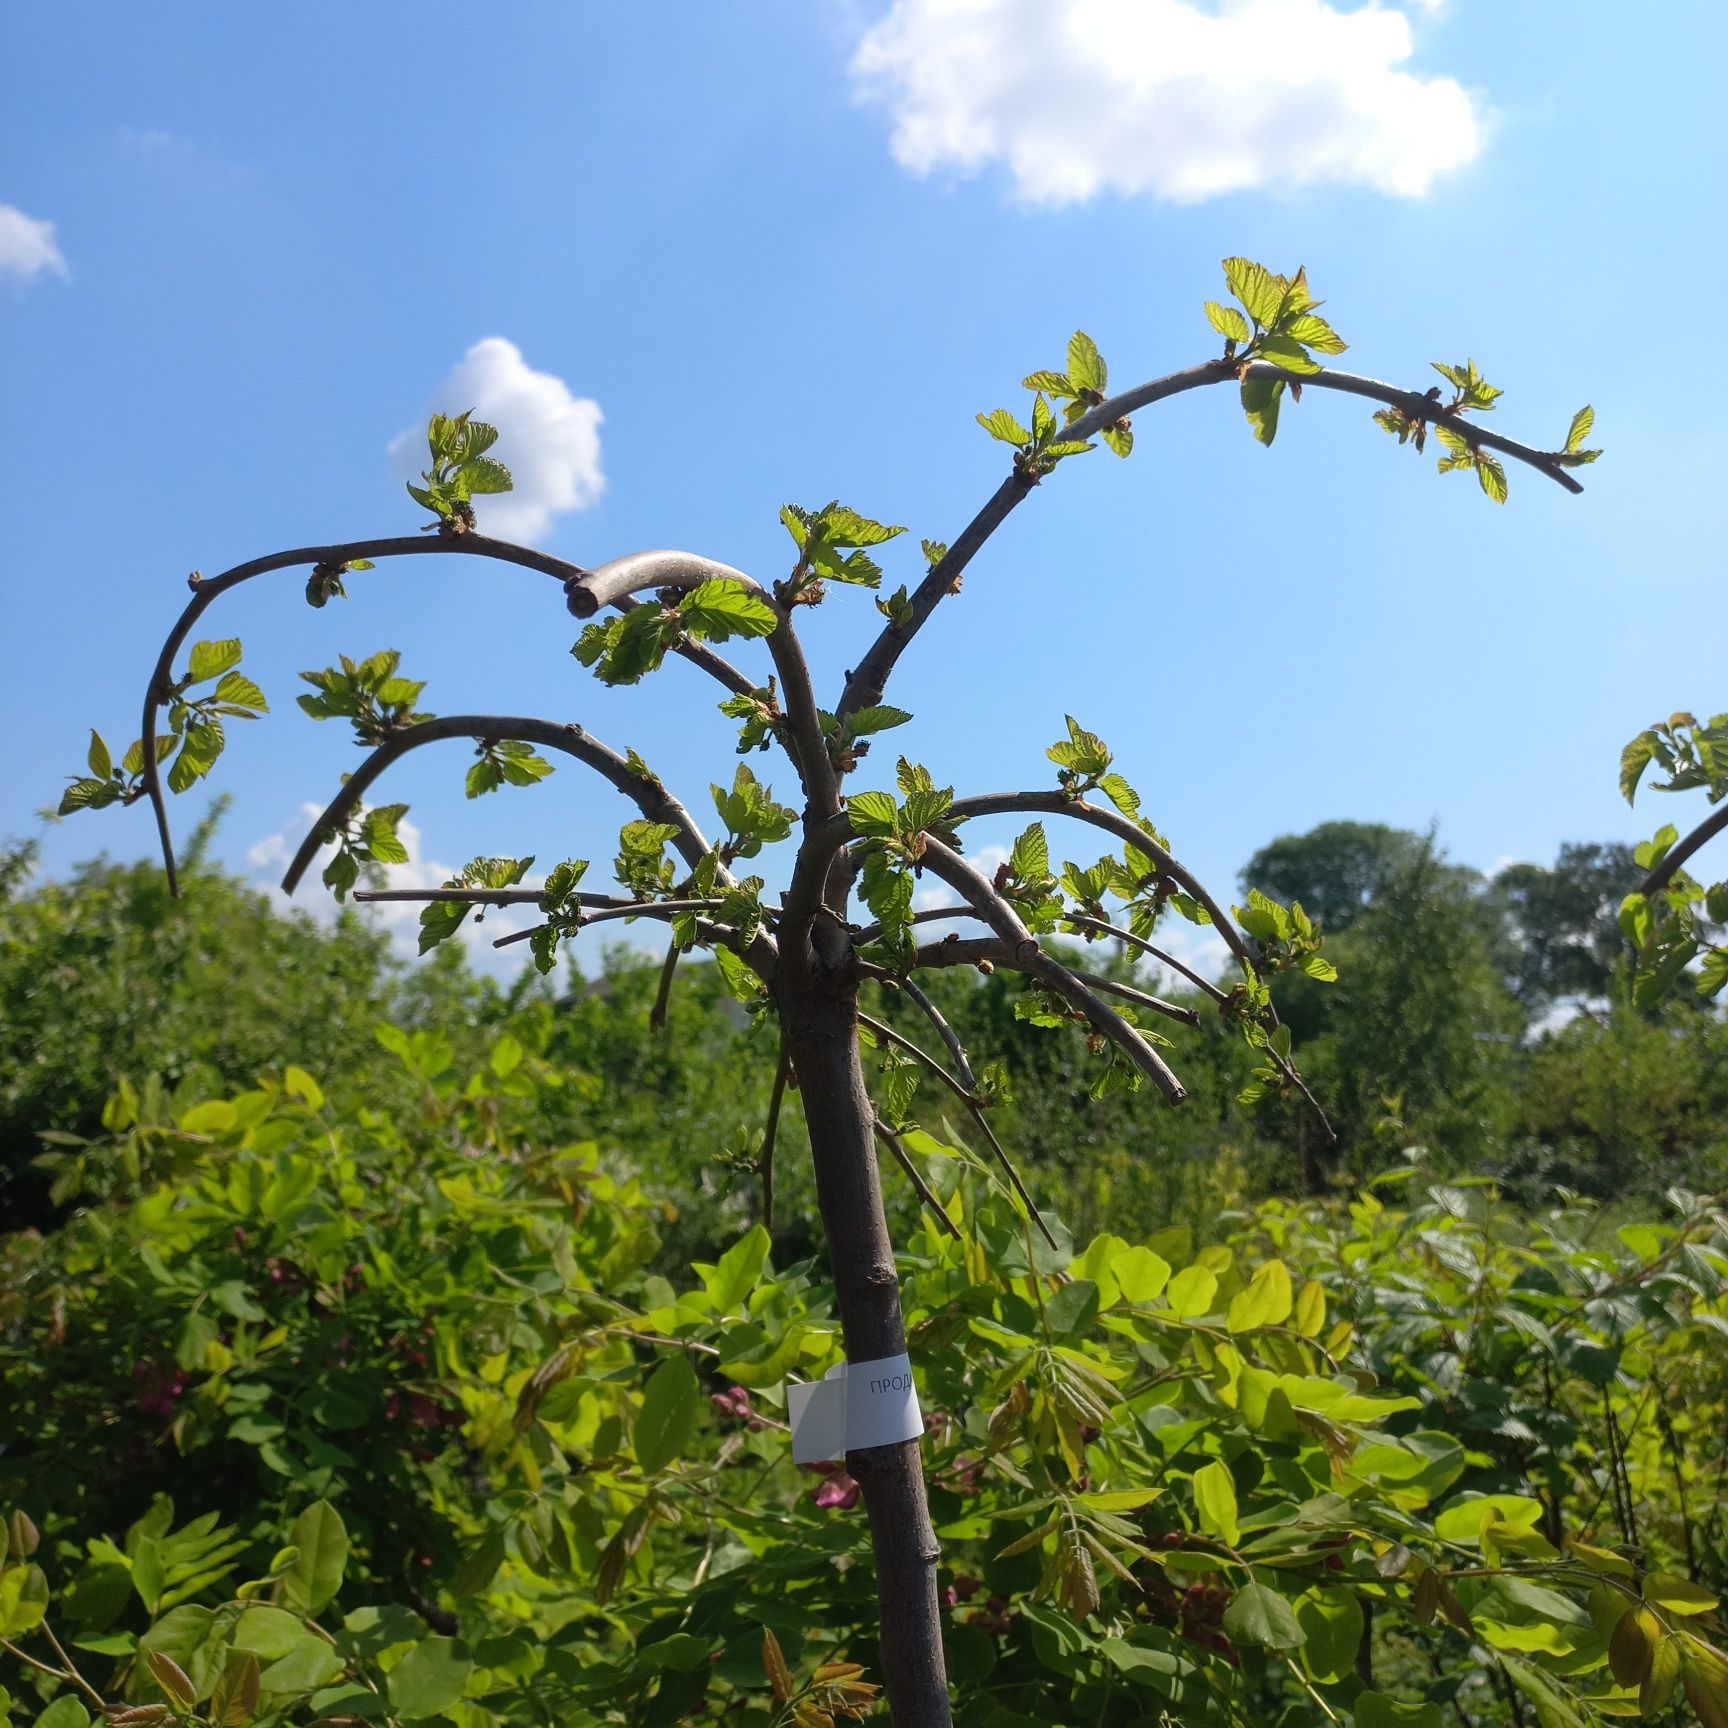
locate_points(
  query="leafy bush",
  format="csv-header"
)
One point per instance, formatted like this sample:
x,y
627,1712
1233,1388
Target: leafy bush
x,y
317,1411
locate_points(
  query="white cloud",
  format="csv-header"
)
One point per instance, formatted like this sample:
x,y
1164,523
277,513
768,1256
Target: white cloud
x,y
549,438
27,246
1182,99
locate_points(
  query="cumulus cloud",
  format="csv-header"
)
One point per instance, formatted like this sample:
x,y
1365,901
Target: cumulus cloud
x,y
400,918
549,438
27,246
1180,99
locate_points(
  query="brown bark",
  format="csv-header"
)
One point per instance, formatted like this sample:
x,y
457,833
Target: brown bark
x,y
819,1016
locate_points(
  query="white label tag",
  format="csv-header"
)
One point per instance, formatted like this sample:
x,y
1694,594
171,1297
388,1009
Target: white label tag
x,y
855,1404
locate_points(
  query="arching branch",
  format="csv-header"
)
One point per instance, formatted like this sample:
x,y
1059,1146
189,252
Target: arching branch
x,y
866,683
1029,957
992,951
916,995
207,590
966,1096
1102,927
650,797
1078,810
1662,873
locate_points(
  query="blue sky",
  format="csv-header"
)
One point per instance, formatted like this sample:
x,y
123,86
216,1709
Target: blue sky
x,y
789,250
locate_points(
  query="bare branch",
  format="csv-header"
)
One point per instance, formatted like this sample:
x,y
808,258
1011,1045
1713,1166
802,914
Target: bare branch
x,y
654,801
1060,804
992,951
1102,927
964,1093
1284,1066
663,994
663,910
916,994
1659,877
904,1159
205,591
866,683
770,1134
1029,957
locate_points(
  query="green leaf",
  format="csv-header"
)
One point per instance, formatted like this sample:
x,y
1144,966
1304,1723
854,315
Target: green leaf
x,y
316,1575
873,813
235,1698
212,659
67,1711
100,763
1086,368
1491,476
1260,402
1678,1595
429,1679
1579,430
23,1600
1292,356
723,608
1002,425
667,1418
1331,1620
1191,1291
238,691
865,722
485,475
1267,1300
1215,1502
1228,322
1259,1615
1257,288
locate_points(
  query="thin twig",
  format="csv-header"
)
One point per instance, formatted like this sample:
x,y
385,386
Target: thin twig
x,y
941,860
1101,927
916,994
661,909
904,1159
883,1030
771,1133
663,995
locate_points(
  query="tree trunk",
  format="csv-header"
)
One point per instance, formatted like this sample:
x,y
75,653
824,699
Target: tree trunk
x,y
819,1019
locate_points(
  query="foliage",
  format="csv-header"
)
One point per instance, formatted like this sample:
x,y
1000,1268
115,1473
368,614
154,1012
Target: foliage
x,y
1663,923
328,1412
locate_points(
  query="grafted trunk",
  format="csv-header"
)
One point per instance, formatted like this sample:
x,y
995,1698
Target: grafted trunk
x,y
819,1019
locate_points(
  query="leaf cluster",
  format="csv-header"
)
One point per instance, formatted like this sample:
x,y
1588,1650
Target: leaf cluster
x,y
461,471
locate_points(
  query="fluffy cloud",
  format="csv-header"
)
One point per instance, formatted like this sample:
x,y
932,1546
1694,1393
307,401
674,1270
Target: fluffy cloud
x,y
27,246
1183,99
550,439
401,918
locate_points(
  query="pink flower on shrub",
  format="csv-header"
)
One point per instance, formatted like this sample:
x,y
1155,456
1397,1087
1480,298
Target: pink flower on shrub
x,y
837,1491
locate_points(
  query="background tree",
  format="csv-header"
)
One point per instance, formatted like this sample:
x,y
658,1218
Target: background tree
x,y
804,959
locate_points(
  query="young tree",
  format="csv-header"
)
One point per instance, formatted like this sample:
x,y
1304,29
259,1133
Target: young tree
x,y
804,959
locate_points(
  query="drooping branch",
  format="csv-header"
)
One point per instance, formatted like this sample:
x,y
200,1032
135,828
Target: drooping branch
x,y
922,1188
663,991
648,572
1031,958
1102,927
992,951
207,590
1661,874
868,680
916,994
770,1134
968,1097
650,797
1078,810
